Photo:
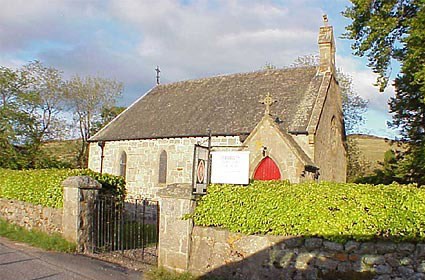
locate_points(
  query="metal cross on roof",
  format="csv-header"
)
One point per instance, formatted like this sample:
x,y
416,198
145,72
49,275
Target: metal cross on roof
x,y
157,74
268,101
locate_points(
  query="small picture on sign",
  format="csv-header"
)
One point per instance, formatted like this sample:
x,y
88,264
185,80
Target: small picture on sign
x,y
200,172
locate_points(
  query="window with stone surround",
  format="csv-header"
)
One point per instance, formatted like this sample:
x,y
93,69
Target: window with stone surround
x,y
162,178
334,134
123,164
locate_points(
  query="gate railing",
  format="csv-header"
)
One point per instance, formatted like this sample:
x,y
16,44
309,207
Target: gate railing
x,y
127,227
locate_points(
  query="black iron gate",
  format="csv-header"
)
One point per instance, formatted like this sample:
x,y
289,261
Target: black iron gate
x,y
128,227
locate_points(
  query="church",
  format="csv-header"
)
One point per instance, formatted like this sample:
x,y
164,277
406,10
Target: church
x,y
290,120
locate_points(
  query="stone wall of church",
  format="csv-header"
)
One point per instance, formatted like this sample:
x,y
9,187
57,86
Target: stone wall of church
x,y
142,168
329,152
267,140
303,141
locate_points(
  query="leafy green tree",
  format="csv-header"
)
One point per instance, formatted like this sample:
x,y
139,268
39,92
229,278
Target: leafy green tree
x,y
29,114
87,97
10,91
357,165
387,31
106,116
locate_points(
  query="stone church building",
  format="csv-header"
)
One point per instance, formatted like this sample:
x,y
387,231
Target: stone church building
x,y
297,134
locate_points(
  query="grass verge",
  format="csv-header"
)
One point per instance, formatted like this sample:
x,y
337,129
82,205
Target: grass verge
x,y
36,238
163,274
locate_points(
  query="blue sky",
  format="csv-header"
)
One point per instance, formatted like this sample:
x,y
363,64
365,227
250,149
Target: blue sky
x,y
126,39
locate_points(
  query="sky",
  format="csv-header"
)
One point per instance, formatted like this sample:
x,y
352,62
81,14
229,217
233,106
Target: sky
x,y
126,39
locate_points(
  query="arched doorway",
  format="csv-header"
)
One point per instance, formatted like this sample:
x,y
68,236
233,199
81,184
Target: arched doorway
x,y
267,169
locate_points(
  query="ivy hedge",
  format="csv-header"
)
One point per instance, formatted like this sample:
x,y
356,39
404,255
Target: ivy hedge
x,y
44,186
334,211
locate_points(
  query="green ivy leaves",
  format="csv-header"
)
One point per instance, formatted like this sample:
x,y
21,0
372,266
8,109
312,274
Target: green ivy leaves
x,y
335,211
44,186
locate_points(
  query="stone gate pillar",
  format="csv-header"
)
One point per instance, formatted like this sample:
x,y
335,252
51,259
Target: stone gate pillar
x,y
175,233
79,194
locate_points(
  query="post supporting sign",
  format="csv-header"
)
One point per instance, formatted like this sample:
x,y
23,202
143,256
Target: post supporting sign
x,y
201,167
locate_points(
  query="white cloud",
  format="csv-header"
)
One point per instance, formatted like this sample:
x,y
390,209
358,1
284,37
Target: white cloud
x,y
126,39
215,37
363,83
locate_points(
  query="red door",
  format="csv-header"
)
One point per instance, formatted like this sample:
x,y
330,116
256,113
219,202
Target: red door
x,y
267,170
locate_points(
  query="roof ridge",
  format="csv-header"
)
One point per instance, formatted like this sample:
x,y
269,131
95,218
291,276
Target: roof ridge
x,y
231,75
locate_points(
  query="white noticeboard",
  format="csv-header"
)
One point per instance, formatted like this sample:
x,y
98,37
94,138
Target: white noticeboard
x,y
230,167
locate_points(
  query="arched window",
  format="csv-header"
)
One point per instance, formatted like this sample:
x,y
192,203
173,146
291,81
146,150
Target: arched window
x,y
162,179
266,170
334,134
123,164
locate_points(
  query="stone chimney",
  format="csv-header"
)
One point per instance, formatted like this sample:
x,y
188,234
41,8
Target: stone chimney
x,y
326,47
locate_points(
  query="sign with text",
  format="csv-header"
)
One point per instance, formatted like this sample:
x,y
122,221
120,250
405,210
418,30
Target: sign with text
x,y
230,167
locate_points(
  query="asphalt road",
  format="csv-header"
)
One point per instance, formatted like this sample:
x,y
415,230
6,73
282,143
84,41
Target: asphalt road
x,y
22,262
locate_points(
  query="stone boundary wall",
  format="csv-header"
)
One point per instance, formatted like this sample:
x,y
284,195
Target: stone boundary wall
x,y
31,216
236,256
73,221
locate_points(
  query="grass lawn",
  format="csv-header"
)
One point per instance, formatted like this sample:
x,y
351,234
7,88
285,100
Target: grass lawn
x,y
36,238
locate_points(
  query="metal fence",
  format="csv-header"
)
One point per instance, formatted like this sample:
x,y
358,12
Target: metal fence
x,y
130,228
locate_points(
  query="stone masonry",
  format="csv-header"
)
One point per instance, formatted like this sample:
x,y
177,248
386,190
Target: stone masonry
x,y
143,161
31,216
236,256
73,221
78,204
174,231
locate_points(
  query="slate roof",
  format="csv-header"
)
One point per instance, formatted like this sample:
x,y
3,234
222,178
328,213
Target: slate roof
x,y
228,104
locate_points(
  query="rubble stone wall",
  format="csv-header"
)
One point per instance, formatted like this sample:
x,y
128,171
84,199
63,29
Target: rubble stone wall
x,y
31,216
236,256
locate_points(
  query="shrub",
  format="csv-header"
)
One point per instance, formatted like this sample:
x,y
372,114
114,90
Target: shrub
x,y
334,211
44,186
111,184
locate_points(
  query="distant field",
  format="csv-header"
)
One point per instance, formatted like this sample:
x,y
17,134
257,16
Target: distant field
x,y
373,148
66,150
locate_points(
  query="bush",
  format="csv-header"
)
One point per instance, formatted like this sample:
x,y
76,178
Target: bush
x,y
44,186
337,212
111,184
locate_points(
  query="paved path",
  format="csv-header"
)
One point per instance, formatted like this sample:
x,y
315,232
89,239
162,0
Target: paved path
x,y
22,262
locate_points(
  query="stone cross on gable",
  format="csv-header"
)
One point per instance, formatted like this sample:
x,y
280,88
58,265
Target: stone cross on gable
x,y
268,101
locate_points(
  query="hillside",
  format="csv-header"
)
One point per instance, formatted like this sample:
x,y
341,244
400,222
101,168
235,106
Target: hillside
x,y
65,151
373,148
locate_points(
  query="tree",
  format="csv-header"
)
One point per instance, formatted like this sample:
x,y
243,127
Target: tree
x,y
87,97
44,103
387,31
10,91
305,60
357,165
353,108
29,113
106,116
353,105
269,66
